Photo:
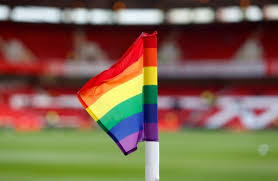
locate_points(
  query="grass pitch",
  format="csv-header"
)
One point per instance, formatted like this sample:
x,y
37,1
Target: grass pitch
x,y
92,156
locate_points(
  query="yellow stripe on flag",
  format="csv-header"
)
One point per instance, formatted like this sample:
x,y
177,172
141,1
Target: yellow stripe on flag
x,y
150,75
115,96
91,114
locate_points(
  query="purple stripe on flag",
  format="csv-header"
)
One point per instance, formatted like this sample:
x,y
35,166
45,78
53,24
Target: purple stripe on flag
x,y
129,143
150,132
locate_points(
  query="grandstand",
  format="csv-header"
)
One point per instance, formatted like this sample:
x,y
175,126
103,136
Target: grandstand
x,y
214,61
220,67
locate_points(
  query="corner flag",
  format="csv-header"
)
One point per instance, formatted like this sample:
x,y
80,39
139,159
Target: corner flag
x,y
123,98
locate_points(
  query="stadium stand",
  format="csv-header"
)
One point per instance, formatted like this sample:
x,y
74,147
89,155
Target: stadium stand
x,y
196,42
52,50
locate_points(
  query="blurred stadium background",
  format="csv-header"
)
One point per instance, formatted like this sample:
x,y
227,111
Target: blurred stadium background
x,y
218,88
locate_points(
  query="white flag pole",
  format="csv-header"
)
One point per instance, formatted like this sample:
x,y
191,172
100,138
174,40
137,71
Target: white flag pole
x,y
152,160
150,78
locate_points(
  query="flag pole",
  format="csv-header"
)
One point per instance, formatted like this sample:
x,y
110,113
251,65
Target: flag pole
x,y
150,107
152,161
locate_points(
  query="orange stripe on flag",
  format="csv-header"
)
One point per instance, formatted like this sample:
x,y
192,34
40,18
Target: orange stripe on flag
x,y
150,55
90,95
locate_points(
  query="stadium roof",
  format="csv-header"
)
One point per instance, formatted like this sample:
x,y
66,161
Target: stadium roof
x,y
163,4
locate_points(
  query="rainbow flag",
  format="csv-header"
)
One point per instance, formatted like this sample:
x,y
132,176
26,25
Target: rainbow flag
x,y
123,99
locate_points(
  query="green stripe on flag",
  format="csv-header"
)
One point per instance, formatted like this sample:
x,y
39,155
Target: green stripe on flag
x,y
123,110
150,94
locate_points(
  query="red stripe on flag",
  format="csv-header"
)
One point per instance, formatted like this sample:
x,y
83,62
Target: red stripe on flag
x,y
132,55
151,41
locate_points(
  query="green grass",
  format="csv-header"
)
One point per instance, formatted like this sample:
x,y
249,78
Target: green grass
x,y
92,156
